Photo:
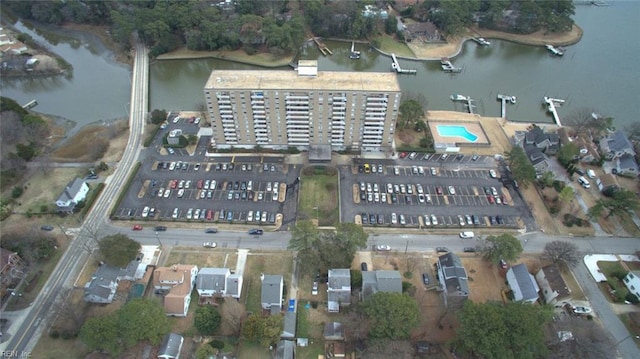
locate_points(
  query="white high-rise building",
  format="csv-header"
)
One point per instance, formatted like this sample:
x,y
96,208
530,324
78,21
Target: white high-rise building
x,y
277,109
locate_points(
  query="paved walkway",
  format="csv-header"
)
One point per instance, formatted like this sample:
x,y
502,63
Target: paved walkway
x,y
242,261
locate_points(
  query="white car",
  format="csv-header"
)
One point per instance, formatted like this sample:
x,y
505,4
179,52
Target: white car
x,y
402,220
160,192
396,171
264,216
175,213
383,247
190,213
434,220
250,216
581,310
314,289
145,212
419,188
420,170
209,244
268,186
212,186
467,234
167,193
493,174
394,218
383,197
427,220
452,190
389,188
434,171
421,198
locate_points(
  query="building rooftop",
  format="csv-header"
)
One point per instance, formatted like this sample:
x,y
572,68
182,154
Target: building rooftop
x,y
289,80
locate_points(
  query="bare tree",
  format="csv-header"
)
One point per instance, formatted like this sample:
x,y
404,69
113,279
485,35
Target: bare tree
x,y
561,251
73,313
580,119
233,313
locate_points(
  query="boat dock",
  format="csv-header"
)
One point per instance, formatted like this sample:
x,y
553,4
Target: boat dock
x,y
354,55
447,66
552,104
504,99
322,47
31,104
481,41
395,65
466,100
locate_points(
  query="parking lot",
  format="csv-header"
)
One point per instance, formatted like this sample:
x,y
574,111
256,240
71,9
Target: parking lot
x,y
233,189
432,192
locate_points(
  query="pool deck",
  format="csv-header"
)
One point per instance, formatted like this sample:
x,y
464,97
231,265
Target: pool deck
x,y
498,131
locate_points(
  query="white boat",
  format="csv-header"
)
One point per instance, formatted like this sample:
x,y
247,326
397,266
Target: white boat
x,y
555,50
456,97
512,99
481,41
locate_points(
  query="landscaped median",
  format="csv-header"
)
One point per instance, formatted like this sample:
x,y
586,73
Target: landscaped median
x,y
319,199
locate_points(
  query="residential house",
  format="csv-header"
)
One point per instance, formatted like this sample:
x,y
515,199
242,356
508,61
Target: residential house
x,y
632,282
615,145
388,281
548,143
426,31
289,331
177,282
522,284
102,287
537,158
338,289
334,340
72,194
552,286
453,278
607,183
285,350
627,165
171,346
272,292
218,282
12,267
588,150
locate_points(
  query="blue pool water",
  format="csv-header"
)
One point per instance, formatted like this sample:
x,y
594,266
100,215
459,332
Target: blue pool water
x,y
456,131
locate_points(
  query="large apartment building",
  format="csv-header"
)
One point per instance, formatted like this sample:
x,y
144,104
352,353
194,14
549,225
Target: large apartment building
x,y
307,107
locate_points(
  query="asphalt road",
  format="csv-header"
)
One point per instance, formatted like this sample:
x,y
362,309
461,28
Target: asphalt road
x,y
41,310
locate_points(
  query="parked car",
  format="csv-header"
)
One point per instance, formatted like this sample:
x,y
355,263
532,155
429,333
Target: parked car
x,y
211,230
493,174
160,228
47,228
442,249
209,244
137,227
425,279
383,247
314,289
256,231
469,249
452,190
503,264
581,310
363,266
467,234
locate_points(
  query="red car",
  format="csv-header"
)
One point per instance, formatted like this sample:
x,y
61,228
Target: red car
x,y
439,190
503,264
403,154
174,184
200,184
137,227
491,200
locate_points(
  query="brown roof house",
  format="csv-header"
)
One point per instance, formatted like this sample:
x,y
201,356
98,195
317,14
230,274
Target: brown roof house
x,y
552,285
177,282
426,31
12,269
334,339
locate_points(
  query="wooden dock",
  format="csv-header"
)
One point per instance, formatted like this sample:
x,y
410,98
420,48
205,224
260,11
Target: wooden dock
x,y
322,47
395,65
553,103
504,99
31,104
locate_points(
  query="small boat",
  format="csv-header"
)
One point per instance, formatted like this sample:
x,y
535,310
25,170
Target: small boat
x,y
481,41
512,99
457,97
555,50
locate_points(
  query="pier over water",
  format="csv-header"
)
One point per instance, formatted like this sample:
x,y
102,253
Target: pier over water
x,y
395,65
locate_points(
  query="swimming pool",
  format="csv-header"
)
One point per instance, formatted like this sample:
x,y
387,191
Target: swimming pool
x,y
456,131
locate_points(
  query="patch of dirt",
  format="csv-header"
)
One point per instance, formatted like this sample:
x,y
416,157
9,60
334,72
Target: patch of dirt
x,y
408,137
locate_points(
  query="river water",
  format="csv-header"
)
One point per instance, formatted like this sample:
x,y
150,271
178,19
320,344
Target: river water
x,y
600,73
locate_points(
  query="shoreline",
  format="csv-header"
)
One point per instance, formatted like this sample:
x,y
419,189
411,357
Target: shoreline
x,y
423,52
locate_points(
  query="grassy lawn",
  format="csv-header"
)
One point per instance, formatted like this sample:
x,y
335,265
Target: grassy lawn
x,y
319,196
389,44
206,258
315,348
249,349
628,225
570,280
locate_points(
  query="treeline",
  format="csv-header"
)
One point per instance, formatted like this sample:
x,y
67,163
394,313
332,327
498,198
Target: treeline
x,y
23,136
519,16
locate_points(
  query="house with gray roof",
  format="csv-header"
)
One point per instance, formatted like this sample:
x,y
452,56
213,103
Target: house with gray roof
x,y
615,145
75,192
289,331
552,286
453,279
380,281
171,346
285,350
338,289
104,282
548,143
627,165
218,282
537,158
522,284
272,292
333,331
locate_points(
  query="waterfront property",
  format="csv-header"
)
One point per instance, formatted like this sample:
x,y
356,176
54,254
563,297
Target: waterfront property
x,y
449,136
281,109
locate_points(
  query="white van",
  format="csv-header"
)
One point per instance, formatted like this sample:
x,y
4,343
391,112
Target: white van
x,y
467,234
584,182
591,174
